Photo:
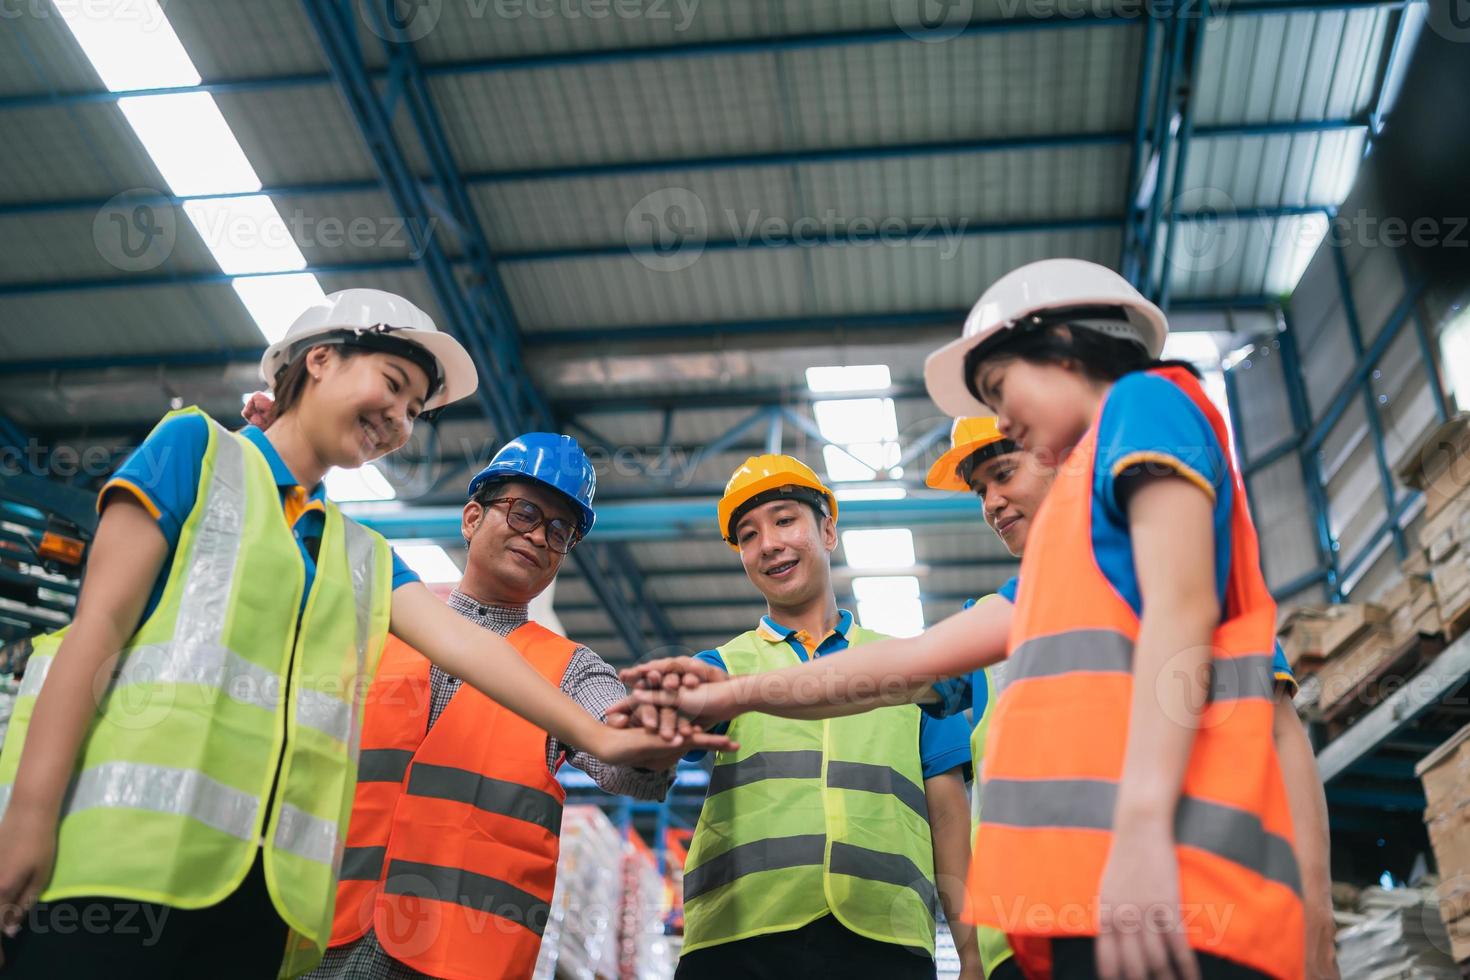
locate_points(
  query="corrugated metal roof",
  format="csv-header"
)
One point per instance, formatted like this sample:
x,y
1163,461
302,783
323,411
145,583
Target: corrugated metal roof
x,y
1290,66
1076,80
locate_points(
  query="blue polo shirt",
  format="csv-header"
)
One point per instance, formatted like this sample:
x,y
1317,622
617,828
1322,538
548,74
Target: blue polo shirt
x,y
163,475
944,744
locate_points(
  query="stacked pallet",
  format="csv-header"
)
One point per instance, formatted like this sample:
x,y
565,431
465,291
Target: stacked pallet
x,y
1350,657
1445,773
1439,467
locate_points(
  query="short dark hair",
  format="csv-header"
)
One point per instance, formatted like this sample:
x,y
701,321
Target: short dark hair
x,y
1101,357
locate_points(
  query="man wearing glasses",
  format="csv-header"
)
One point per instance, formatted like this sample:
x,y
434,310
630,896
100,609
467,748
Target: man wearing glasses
x,y
451,851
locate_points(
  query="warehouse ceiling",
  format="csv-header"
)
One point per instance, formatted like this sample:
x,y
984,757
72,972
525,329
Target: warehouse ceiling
x,y
648,220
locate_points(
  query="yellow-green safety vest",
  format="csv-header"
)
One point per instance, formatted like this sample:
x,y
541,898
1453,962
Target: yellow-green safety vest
x,y
229,703
994,948
812,817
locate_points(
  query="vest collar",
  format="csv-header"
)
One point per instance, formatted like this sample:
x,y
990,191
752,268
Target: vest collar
x,y
280,472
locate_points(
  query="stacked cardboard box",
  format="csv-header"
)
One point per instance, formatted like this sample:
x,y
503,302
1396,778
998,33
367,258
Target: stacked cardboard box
x,y
1413,607
1300,635
1439,466
1446,776
1355,638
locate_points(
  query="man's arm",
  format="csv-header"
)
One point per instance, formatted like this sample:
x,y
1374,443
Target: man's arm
x,y
949,826
595,686
1311,839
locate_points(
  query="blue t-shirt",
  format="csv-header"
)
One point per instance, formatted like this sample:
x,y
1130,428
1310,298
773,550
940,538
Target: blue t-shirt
x,y
944,744
163,475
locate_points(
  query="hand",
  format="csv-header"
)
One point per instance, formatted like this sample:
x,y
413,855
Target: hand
x,y
1140,932
25,864
702,705
1322,945
668,673
259,410
636,747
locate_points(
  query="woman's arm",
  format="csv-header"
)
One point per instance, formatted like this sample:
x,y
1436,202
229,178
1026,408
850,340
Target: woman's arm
x,y
125,559
949,828
491,664
1171,525
874,675
1312,841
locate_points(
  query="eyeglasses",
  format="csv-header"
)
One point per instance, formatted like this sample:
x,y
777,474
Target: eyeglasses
x,y
524,516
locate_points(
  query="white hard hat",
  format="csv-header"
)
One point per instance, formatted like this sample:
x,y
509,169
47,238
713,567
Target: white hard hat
x,y
380,320
1040,287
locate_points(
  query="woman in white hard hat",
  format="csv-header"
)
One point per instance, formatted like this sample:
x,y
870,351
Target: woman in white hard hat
x,y
180,783
1135,821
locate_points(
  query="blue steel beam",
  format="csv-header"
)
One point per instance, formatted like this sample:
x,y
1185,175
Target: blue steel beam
x,y
1388,721
626,168
607,336
1194,43
894,231
1370,404
657,520
755,46
1300,408
336,31
753,598
1164,122
1140,130
939,564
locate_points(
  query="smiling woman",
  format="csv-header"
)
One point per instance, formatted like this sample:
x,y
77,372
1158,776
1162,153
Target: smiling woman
x,y
261,587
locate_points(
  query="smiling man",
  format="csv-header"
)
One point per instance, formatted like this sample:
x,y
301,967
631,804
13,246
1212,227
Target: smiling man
x,y
452,847
820,842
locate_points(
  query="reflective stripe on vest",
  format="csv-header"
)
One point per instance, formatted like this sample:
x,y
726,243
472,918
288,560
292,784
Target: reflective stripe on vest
x,y
1108,652
831,815
500,796
1088,804
482,893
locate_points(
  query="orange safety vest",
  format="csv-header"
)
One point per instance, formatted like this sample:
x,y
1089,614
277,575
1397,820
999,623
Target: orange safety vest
x,y
1055,759
452,848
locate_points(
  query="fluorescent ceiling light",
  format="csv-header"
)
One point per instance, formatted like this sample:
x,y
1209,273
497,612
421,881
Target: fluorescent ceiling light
x,y
364,483
131,45
871,493
880,547
431,562
842,467
245,234
190,143
275,301
1198,347
856,377
847,420
900,617
1304,237
881,588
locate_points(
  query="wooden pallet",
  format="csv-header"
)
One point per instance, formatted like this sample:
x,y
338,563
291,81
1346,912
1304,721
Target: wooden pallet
x,y
1399,664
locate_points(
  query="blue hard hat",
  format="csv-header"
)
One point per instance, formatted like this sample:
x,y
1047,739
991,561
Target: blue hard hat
x,y
553,460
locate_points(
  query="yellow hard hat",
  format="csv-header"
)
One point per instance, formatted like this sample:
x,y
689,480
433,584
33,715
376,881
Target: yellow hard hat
x,y
968,436
775,477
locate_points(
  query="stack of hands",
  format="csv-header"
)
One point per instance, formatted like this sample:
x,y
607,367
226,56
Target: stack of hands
x,y
676,697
